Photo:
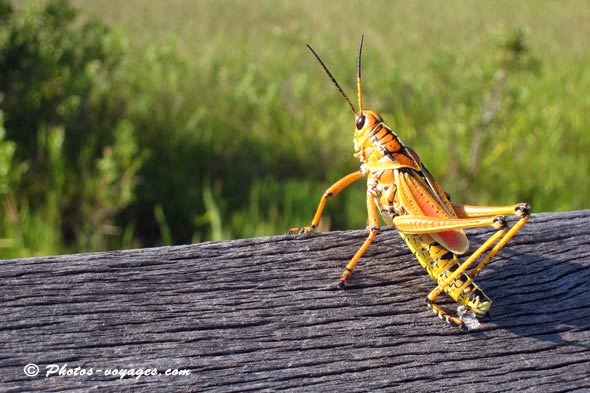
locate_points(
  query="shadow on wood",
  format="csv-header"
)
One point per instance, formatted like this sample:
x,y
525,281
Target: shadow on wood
x,y
257,314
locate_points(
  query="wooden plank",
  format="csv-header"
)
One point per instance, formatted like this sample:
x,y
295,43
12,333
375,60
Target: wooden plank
x,y
256,314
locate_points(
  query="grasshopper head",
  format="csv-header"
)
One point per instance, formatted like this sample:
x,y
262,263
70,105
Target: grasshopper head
x,y
365,122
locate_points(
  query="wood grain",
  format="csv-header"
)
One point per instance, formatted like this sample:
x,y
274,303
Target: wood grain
x,y
259,314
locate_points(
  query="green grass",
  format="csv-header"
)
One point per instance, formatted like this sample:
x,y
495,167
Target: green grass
x,y
250,130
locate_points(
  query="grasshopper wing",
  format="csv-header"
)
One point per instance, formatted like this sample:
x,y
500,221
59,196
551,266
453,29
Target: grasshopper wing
x,y
421,195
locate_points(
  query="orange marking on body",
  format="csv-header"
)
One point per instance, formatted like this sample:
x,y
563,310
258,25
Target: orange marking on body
x,y
405,160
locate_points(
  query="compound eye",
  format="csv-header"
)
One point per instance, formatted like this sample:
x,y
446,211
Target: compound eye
x,y
360,122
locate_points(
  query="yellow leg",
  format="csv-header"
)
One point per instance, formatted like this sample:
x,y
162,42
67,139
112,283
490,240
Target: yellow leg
x,y
499,238
416,224
498,246
330,192
471,211
431,298
471,217
374,229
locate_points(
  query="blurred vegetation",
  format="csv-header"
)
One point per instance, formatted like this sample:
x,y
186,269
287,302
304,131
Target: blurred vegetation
x,y
131,124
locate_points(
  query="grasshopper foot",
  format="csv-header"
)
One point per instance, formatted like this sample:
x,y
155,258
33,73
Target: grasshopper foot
x,y
301,230
443,315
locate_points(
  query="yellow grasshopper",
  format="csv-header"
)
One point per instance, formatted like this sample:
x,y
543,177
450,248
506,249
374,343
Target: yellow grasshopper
x,y
410,199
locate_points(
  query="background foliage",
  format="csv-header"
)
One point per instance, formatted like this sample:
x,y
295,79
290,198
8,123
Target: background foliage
x,y
128,124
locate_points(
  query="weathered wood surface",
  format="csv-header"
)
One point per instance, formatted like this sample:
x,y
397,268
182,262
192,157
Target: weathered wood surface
x,y
255,314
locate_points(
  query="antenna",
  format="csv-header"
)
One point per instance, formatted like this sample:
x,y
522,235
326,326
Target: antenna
x,y
334,79
359,86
